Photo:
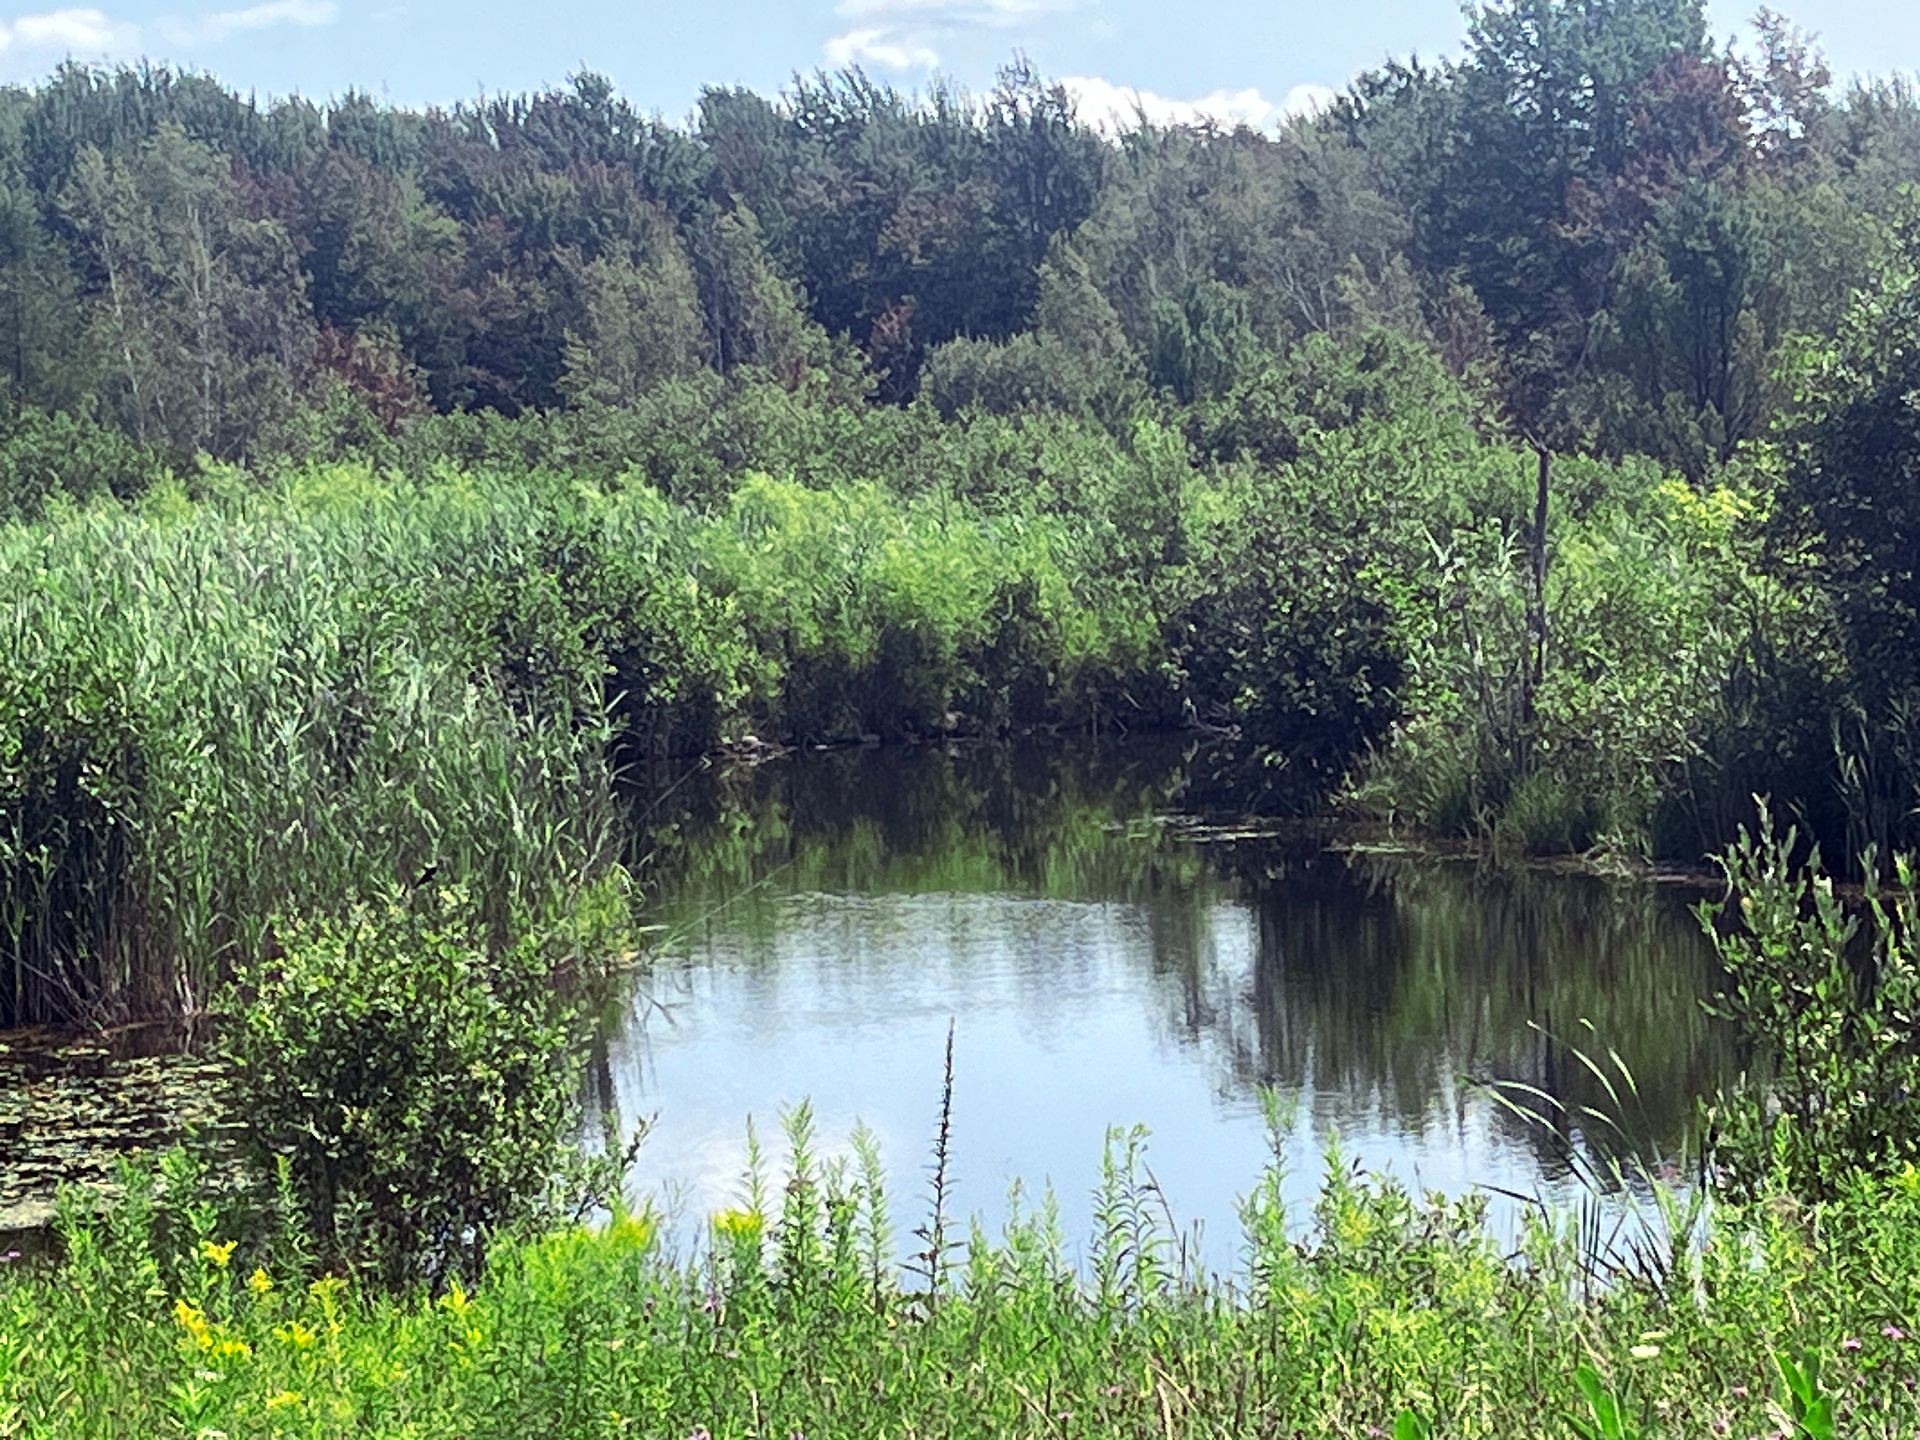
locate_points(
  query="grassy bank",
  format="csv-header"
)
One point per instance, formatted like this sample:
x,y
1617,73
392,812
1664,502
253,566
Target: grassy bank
x,y
1388,1315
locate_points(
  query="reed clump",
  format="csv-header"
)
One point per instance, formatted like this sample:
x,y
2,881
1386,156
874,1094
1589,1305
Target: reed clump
x,y
213,716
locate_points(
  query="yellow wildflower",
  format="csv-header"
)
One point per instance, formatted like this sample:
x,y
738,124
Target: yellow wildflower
x,y
219,1255
194,1322
455,1301
231,1349
259,1282
284,1399
632,1231
294,1334
740,1224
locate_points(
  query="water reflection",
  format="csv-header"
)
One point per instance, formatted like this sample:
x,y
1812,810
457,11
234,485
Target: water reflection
x,y
830,913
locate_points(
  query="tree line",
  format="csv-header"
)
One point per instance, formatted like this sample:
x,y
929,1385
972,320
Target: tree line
x,y
1617,226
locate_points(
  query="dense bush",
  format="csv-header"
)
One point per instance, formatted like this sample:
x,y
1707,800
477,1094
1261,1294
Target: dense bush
x,y
45,454
1649,611
415,1073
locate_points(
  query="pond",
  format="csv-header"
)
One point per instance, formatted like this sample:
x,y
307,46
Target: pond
x,y
1103,960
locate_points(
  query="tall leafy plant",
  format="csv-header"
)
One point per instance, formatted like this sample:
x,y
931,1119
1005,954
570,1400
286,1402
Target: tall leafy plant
x,y
1829,995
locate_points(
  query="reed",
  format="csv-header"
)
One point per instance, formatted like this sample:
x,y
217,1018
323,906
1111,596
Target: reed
x,y
212,718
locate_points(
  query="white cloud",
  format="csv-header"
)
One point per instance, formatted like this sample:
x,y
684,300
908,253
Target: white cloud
x,y
1111,107
1308,99
212,26
86,32
31,41
1108,106
888,49
998,14
903,34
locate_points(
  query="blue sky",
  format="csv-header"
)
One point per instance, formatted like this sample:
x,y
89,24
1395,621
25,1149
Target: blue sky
x,y
1237,59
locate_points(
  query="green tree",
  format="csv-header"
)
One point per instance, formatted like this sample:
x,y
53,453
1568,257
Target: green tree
x,y
640,324
1849,519
754,316
40,317
1542,131
198,307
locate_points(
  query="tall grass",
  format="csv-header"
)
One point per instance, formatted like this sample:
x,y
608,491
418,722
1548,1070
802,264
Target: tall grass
x,y
210,718
1380,1313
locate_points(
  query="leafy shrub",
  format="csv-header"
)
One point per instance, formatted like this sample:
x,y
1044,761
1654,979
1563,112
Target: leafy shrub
x,y
1830,995
418,1074
43,454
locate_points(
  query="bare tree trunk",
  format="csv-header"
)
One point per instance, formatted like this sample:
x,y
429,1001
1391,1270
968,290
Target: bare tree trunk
x,y
122,327
1535,668
201,274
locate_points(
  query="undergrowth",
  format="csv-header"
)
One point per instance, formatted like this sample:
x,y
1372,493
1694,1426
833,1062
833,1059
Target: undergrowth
x,y
1379,1313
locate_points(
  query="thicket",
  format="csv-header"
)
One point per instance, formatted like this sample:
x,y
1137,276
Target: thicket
x,y
245,696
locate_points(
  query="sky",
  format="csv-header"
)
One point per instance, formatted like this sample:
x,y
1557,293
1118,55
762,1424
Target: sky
x,y
1235,60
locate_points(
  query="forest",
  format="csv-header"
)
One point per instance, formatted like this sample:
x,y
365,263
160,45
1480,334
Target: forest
x,y
1517,456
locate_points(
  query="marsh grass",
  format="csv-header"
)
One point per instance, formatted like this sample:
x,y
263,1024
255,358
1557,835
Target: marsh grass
x,y
283,701
211,719
1641,1213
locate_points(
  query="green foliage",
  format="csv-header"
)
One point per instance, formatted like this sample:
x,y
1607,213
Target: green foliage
x,y
1651,609
1293,640
249,696
1379,1311
1607,1420
46,454
1829,994
1596,231
1848,522
1810,1409
640,326
215,714
417,1073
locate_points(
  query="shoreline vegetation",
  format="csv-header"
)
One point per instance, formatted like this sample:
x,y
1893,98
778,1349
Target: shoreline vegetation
x,y
234,707
1520,449
1392,1313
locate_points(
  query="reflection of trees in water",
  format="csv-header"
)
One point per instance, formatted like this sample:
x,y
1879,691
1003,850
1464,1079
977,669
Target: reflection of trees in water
x,y
1381,981
1389,981
1042,819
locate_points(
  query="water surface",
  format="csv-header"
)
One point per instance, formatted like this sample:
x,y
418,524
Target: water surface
x,y
1102,963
